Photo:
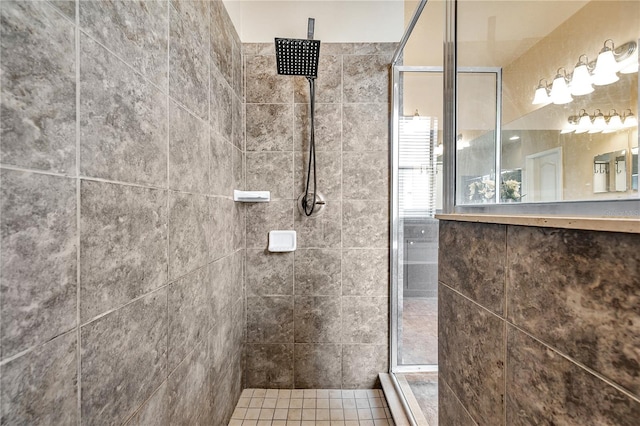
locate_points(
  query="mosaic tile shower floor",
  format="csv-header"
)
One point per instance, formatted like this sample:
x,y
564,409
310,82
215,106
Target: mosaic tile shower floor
x,y
307,407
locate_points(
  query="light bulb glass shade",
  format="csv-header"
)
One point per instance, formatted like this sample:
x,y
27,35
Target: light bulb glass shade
x,y
615,124
630,120
599,124
584,124
606,68
541,96
581,81
630,68
560,93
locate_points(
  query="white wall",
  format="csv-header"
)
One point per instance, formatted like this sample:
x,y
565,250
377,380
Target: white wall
x,y
259,21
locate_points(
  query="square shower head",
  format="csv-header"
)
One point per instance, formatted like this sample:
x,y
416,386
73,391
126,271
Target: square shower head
x,y
297,56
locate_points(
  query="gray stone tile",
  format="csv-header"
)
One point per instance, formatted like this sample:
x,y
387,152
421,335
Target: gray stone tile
x,y
546,388
238,66
472,261
318,319
328,83
365,223
361,365
237,122
238,291
238,169
153,412
450,410
123,121
220,233
221,348
365,175
125,350
221,41
40,387
327,125
265,217
328,174
189,389
270,319
269,366
269,273
221,105
271,171
365,127
264,85
38,258
365,79
365,272
471,348
220,170
238,211
189,55
135,31
225,396
317,366
123,241
188,233
38,112
269,127
578,290
189,314
318,272
67,7
364,320
221,276
324,231
188,152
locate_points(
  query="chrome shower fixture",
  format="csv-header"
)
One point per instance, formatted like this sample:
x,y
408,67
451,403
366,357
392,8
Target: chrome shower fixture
x,y
300,57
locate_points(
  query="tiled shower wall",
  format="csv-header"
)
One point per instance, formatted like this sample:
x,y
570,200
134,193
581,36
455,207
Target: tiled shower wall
x,y
318,317
122,250
538,326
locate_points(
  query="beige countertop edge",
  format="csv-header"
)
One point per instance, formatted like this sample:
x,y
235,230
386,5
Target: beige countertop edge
x,y
608,224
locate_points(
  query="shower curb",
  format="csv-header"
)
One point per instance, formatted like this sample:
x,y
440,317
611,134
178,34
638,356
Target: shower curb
x,y
394,401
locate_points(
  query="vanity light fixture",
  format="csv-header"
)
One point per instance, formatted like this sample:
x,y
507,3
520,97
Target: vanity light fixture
x,y
629,120
584,122
542,94
602,71
560,93
606,68
581,79
615,122
598,122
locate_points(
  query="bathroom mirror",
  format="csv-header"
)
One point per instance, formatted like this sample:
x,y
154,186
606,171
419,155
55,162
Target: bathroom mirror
x,y
582,144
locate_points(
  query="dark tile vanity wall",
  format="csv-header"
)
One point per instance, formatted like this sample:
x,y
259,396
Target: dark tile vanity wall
x,y
538,325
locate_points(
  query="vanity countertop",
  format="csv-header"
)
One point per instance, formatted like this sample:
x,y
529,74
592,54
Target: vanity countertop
x,y
609,224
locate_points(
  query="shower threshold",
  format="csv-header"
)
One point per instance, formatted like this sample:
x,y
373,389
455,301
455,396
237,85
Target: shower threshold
x,y
413,397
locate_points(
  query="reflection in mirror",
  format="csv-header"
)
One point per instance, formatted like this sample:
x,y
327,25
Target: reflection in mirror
x,y
578,139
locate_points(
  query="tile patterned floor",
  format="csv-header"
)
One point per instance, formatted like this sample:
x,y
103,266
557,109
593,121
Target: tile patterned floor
x,y
308,407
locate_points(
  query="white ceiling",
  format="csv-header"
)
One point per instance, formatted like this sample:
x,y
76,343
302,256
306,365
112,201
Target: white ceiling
x,y
259,21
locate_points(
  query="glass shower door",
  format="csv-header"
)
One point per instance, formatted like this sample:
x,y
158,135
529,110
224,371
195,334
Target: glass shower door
x,y
417,156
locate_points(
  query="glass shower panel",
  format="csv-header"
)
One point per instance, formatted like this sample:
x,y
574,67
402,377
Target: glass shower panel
x,y
419,157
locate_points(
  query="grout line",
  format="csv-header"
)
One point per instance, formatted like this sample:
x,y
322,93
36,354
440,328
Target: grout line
x,y
168,197
78,219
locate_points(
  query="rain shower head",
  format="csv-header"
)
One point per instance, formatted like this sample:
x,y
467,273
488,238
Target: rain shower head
x,y
298,56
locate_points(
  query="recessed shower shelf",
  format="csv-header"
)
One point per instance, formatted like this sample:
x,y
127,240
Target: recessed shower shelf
x,y
251,196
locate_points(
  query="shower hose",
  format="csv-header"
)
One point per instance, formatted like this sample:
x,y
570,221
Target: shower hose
x,y
309,205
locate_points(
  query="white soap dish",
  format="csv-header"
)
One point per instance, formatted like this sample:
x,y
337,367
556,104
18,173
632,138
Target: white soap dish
x,y
282,241
251,196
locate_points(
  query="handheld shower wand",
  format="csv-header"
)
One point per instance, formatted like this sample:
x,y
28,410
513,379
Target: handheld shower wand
x,y
300,57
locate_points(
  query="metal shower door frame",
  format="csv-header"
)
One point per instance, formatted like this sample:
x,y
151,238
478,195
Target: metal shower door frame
x,y
396,70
